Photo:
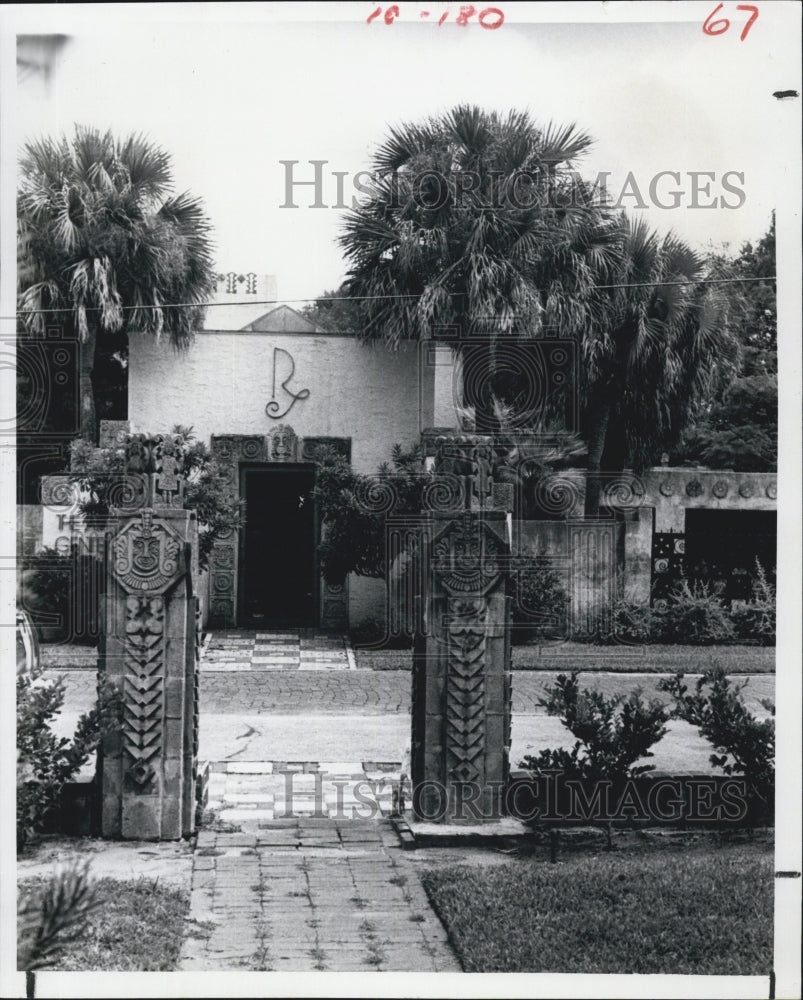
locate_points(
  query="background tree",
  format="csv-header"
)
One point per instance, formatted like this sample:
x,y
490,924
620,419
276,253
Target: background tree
x,y
739,428
102,241
334,311
664,348
479,223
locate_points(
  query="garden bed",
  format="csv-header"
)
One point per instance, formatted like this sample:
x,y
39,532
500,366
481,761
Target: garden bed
x,y
705,911
569,656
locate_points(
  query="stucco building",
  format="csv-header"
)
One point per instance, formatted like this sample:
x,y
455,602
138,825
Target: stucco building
x,y
263,386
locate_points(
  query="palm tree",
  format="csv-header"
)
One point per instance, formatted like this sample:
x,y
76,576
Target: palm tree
x,y
477,224
105,248
662,351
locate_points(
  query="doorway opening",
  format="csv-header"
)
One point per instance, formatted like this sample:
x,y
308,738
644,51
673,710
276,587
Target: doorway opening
x,y
278,566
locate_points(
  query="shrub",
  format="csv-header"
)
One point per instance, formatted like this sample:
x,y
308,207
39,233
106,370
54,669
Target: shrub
x,y
755,621
45,763
66,586
693,615
633,622
540,601
745,745
49,920
206,491
612,733
354,509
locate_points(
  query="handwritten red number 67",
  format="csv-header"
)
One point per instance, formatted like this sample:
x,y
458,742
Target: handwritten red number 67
x,y
721,24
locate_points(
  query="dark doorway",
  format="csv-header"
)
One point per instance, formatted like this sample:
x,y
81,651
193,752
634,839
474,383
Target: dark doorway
x,y
277,553
722,547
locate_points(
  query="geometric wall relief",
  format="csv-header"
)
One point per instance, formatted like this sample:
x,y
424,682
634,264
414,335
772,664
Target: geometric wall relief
x,y
283,444
668,563
592,577
334,604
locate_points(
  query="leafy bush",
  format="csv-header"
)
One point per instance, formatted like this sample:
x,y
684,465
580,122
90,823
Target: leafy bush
x,y
745,745
694,615
51,919
633,622
540,601
45,763
354,509
755,621
612,733
65,585
206,491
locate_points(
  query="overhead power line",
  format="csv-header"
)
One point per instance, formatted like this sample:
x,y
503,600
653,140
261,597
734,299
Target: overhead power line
x,y
365,298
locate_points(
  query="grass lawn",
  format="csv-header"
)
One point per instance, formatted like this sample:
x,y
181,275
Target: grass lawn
x,y
137,928
568,656
701,911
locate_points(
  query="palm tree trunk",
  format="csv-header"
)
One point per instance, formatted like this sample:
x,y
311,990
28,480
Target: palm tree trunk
x,y
480,360
89,430
599,419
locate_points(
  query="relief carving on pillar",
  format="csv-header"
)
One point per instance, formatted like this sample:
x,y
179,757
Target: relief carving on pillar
x,y
465,688
466,557
146,555
168,486
144,685
196,681
470,457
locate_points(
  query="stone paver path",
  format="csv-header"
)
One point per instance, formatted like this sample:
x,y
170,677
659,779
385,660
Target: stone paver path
x,y
307,895
305,649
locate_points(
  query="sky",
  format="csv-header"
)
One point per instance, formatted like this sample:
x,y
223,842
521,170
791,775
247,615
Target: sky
x,y
233,92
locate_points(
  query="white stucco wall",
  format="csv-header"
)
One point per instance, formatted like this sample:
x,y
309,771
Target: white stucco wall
x,y
223,383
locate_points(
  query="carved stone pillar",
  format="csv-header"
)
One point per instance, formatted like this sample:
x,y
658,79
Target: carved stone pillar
x,y
468,460
461,672
149,652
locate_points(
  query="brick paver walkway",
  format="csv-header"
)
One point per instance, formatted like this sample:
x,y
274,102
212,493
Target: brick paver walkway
x,y
310,894
305,649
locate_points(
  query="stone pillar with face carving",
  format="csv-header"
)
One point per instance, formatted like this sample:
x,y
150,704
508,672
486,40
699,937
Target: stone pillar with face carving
x,y
461,672
149,651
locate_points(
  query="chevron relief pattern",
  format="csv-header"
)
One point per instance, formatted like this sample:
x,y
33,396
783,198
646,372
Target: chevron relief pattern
x,y
465,690
196,682
144,684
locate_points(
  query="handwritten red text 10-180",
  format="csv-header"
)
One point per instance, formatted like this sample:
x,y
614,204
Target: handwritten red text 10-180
x,y
489,18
